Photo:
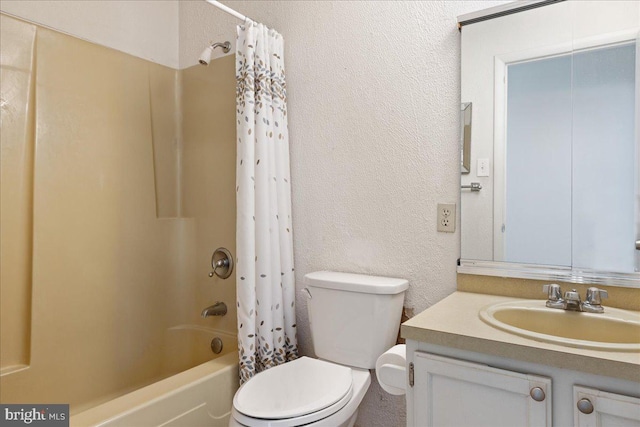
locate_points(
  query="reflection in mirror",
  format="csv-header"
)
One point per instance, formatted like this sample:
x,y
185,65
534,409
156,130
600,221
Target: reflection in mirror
x,y
556,110
570,160
604,159
536,207
465,137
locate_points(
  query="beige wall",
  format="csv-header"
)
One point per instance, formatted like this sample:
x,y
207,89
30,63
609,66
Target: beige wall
x,y
622,297
17,139
97,261
209,175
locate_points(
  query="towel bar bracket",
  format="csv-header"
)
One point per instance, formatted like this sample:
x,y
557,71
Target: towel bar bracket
x,y
473,186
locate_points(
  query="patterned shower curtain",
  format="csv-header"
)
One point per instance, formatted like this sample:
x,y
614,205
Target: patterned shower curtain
x,y
264,276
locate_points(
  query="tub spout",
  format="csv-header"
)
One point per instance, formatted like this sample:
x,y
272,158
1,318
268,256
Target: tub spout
x,y
217,309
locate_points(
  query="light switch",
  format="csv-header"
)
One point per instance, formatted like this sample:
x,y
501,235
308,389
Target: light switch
x,y
483,167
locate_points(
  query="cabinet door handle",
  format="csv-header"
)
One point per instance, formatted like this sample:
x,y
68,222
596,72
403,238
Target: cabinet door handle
x,y
585,406
537,394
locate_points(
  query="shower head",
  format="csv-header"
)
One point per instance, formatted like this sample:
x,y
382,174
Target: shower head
x,y
205,57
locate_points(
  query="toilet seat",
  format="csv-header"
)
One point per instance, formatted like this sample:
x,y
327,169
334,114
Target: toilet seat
x,y
295,393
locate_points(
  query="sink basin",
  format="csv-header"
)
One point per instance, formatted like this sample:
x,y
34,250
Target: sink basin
x,y
613,330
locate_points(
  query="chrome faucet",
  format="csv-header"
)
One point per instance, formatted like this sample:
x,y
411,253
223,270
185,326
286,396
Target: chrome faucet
x,y
593,304
217,309
554,295
571,300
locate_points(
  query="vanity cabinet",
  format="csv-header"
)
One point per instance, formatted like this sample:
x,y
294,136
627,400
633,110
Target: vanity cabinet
x,y
454,387
596,408
450,392
482,375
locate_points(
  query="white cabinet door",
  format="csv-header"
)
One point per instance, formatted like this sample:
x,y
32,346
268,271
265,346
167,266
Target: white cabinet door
x,y
608,409
450,392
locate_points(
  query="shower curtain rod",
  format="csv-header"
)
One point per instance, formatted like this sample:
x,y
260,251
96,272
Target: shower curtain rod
x,y
227,9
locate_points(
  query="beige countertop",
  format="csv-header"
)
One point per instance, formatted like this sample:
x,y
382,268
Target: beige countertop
x,y
454,322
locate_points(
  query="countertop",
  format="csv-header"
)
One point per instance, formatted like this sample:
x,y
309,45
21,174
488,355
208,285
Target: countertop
x,y
454,322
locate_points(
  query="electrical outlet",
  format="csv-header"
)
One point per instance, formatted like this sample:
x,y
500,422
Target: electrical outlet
x,y
447,217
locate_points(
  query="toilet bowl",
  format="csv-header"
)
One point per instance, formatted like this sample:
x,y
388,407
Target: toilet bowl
x,y
306,391
353,320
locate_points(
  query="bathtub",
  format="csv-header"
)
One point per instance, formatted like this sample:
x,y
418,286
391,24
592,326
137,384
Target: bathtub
x,y
187,396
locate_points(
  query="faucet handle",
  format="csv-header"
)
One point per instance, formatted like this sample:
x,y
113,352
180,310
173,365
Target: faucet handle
x,y
554,295
222,263
553,291
595,295
594,300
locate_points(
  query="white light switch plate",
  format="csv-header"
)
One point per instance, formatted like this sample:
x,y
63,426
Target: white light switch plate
x,y
483,167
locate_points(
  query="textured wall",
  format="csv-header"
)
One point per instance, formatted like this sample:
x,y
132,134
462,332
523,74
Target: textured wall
x,y
373,103
373,114
144,28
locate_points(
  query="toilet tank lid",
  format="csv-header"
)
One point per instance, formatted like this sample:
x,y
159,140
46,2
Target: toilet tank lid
x,y
356,282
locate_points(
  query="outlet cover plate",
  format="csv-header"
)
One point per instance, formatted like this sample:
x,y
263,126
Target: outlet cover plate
x,y
447,217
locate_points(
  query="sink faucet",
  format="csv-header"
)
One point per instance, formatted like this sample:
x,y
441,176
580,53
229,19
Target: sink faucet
x,y
217,309
571,300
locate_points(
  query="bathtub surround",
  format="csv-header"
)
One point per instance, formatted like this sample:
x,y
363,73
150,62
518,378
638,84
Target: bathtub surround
x,y
95,245
265,274
107,162
208,153
16,190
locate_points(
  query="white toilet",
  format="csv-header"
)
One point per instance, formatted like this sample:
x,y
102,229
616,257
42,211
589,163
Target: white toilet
x,y
353,319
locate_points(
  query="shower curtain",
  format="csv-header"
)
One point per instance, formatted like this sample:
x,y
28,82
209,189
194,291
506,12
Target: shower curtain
x,y
265,275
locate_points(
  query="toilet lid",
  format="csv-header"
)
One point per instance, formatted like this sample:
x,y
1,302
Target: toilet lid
x,y
294,389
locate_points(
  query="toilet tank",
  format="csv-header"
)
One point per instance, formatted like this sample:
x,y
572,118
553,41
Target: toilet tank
x,y
354,318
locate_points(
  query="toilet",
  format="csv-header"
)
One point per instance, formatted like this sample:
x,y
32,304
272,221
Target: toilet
x,y
353,319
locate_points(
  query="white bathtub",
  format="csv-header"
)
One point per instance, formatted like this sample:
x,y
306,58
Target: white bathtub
x,y
199,396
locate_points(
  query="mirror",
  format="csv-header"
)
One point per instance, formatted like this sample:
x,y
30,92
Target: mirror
x,y
465,137
555,147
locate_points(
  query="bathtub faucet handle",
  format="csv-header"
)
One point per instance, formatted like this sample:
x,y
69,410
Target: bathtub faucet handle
x,y
222,263
219,264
